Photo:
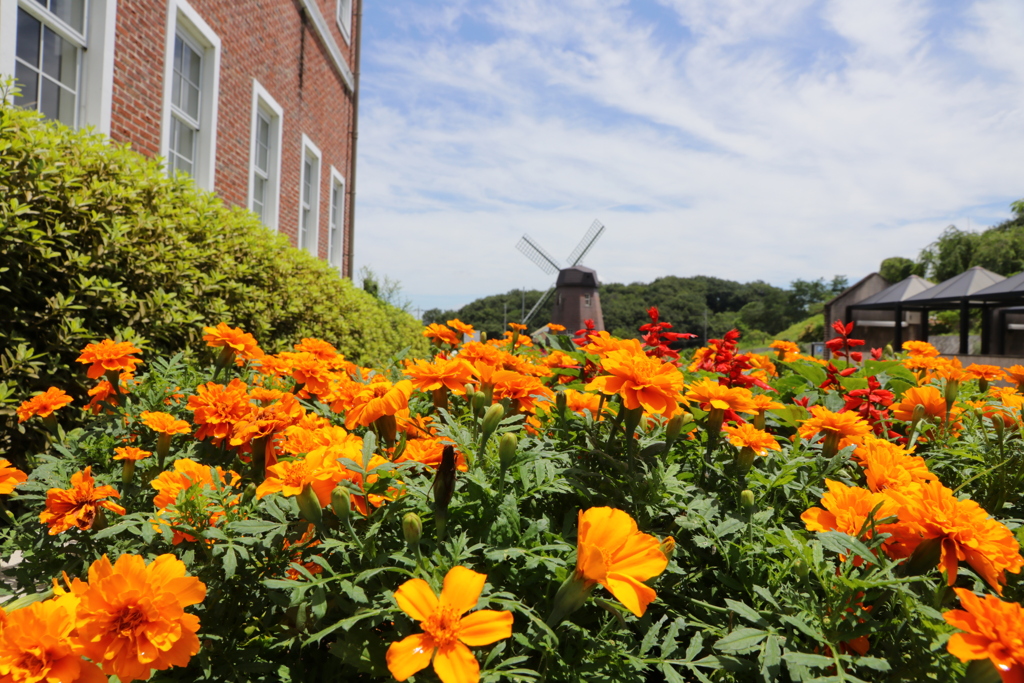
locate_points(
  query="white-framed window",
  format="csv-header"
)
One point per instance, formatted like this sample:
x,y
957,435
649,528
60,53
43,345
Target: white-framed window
x,y
343,16
265,156
336,222
62,54
192,74
309,198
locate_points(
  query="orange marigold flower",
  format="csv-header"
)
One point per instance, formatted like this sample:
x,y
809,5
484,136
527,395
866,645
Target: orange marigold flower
x,y
428,452
100,394
439,334
447,629
989,373
710,394
611,551
847,509
43,404
196,511
10,477
318,347
920,348
763,402
109,356
784,348
642,381
461,327
289,477
601,343
555,327
186,473
266,420
579,401
308,370
130,453
525,390
234,338
164,423
78,505
993,630
888,466
1015,374
452,373
762,365
132,617
965,531
305,542
747,435
849,427
377,400
37,645
931,398
217,408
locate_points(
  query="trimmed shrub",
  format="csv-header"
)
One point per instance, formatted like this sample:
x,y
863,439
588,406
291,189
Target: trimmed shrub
x,y
96,241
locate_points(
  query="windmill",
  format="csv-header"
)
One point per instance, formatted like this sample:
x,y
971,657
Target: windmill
x,y
575,289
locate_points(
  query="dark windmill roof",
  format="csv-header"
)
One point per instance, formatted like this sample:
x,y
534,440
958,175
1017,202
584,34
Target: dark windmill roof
x,y
577,276
965,284
1011,287
901,291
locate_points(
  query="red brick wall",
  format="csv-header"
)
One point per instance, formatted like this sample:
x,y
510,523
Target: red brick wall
x,y
263,39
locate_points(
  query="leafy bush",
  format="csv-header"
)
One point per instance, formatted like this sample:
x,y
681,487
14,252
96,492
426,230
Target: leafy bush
x,y
757,583
96,241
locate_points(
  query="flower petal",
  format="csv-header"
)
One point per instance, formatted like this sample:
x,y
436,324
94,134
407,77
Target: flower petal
x,y
409,655
462,587
456,664
634,595
485,627
416,599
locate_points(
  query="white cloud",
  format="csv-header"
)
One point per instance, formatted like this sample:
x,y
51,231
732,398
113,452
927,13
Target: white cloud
x,y
752,140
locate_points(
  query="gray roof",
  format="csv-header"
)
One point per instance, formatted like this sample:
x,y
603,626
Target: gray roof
x,y
1005,288
965,284
901,291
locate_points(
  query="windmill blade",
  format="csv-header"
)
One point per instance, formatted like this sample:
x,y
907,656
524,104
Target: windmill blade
x,y
595,231
532,251
536,306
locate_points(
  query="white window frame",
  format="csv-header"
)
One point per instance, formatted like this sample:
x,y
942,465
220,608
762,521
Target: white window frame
x,y
336,252
343,16
96,67
183,19
310,151
263,102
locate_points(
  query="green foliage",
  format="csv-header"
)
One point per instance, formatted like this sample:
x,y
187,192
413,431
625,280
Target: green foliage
x,y
999,248
898,268
96,241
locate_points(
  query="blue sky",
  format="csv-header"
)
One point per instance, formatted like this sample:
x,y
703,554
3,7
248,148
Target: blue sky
x,y
745,139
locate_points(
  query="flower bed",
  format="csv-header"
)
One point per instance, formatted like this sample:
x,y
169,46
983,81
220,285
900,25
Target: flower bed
x,y
598,510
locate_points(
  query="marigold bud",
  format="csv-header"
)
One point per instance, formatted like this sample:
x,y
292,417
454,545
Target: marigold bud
x,y
668,547
747,500
918,414
507,450
309,505
249,493
412,528
479,403
490,422
744,459
561,403
675,426
801,569
341,502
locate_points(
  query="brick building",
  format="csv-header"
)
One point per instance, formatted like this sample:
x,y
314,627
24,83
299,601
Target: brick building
x,y
255,99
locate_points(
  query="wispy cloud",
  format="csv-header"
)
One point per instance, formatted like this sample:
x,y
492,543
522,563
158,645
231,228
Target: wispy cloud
x,y
748,139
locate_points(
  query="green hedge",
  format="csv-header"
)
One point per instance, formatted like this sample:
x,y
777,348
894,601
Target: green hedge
x,y
96,241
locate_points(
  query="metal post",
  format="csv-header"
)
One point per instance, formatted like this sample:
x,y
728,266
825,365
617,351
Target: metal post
x,y
897,335
986,322
965,327
924,325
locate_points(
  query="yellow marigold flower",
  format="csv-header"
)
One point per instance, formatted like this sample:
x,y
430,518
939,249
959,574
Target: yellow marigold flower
x,y
920,348
43,404
746,435
452,374
131,453
992,629
78,505
37,645
439,334
164,423
234,338
762,365
613,552
849,426
931,398
447,629
964,529
109,356
641,381
10,477
132,617
710,394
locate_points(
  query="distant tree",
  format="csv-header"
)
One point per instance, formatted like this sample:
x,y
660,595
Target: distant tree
x,y
896,268
951,254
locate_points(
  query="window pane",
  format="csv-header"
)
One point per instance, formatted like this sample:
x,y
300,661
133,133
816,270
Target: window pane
x,y
28,82
335,205
303,229
28,37
49,99
262,144
307,182
259,193
60,59
71,12
186,142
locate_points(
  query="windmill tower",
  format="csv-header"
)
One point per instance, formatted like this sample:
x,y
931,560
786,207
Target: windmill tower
x,y
575,289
